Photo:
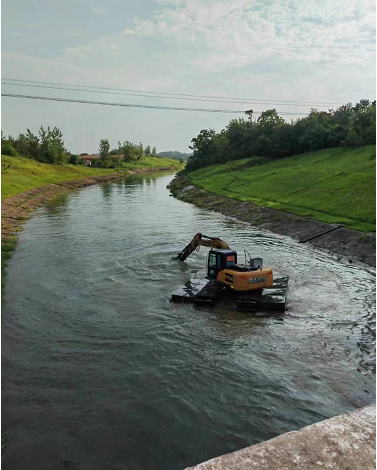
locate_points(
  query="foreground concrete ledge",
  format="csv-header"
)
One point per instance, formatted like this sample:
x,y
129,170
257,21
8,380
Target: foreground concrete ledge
x,y
346,442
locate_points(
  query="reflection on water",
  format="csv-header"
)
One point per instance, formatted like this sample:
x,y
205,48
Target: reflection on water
x,y
101,371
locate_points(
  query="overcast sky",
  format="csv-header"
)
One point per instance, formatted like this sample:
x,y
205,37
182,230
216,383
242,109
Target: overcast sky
x,y
317,51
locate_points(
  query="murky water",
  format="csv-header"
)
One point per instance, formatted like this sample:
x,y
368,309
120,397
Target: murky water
x,y
101,371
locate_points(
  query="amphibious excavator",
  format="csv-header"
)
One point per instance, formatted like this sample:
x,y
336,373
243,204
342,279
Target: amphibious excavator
x,y
252,284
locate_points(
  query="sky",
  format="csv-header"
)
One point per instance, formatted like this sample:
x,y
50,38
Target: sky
x,y
320,52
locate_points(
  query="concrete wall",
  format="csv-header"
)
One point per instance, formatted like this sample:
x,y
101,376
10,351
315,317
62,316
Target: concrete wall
x,y
346,442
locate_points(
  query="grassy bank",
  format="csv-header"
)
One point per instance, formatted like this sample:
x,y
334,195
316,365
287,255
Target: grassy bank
x,y
18,174
333,185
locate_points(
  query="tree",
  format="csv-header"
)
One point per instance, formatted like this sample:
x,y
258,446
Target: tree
x,y
56,146
44,150
32,143
132,151
119,151
21,145
116,162
51,146
74,159
128,151
8,149
204,149
364,122
104,150
147,150
271,136
249,114
270,118
238,133
154,152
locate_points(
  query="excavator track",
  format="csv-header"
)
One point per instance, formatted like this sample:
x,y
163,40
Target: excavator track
x,y
210,292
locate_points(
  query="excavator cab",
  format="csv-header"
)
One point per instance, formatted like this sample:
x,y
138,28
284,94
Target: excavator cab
x,y
219,260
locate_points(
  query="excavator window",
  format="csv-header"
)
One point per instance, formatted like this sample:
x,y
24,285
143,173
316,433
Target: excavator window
x,y
219,260
212,265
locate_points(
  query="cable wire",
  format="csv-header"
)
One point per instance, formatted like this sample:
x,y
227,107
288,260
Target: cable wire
x,y
139,95
129,105
126,105
173,94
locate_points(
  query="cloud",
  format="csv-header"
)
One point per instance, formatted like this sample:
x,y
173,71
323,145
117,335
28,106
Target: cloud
x,y
98,10
316,50
195,42
242,31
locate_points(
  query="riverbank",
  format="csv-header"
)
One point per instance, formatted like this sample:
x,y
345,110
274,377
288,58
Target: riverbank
x,y
343,442
334,185
19,174
15,210
343,242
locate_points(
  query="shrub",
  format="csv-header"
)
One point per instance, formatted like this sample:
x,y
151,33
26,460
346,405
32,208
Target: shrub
x,y
73,160
7,149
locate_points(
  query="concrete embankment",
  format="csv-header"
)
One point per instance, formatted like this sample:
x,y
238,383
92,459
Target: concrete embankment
x,y
346,442
354,245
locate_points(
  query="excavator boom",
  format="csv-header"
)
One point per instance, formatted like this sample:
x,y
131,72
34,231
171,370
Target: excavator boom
x,y
201,240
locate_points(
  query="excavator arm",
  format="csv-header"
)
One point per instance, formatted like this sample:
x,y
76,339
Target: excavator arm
x,y
201,240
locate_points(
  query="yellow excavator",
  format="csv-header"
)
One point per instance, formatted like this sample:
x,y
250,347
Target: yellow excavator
x,y
222,265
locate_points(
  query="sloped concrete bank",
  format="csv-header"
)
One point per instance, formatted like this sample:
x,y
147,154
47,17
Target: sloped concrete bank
x,y
346,442
354,245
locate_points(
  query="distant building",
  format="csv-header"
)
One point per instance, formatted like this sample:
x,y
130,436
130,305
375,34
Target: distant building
x,y
89,158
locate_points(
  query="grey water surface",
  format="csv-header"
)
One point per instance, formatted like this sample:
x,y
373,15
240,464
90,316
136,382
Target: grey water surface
x,y
101,371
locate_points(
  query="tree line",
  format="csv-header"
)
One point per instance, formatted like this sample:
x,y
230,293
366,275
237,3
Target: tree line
x,y
48,147
125,153
271,136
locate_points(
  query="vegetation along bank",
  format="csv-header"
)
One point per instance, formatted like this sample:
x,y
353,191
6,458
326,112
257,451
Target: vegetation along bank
x,y
27,182
306,177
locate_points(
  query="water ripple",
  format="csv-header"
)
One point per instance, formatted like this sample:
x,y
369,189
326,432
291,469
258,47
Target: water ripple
x,y
100,370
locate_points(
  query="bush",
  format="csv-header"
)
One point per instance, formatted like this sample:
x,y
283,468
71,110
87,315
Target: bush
x,y
7,149
73,160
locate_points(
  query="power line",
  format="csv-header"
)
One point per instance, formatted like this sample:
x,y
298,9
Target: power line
x,y
139,95
171,94
128,105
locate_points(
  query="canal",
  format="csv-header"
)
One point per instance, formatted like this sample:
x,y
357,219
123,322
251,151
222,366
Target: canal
x,y
101,371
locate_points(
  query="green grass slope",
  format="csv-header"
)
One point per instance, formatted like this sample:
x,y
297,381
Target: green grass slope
x,y
334,185
19,174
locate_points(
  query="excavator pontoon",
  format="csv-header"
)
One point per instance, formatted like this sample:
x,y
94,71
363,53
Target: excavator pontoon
x,y
251,284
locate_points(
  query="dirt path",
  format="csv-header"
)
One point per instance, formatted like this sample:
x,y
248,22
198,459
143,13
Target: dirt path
x,y
354,245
